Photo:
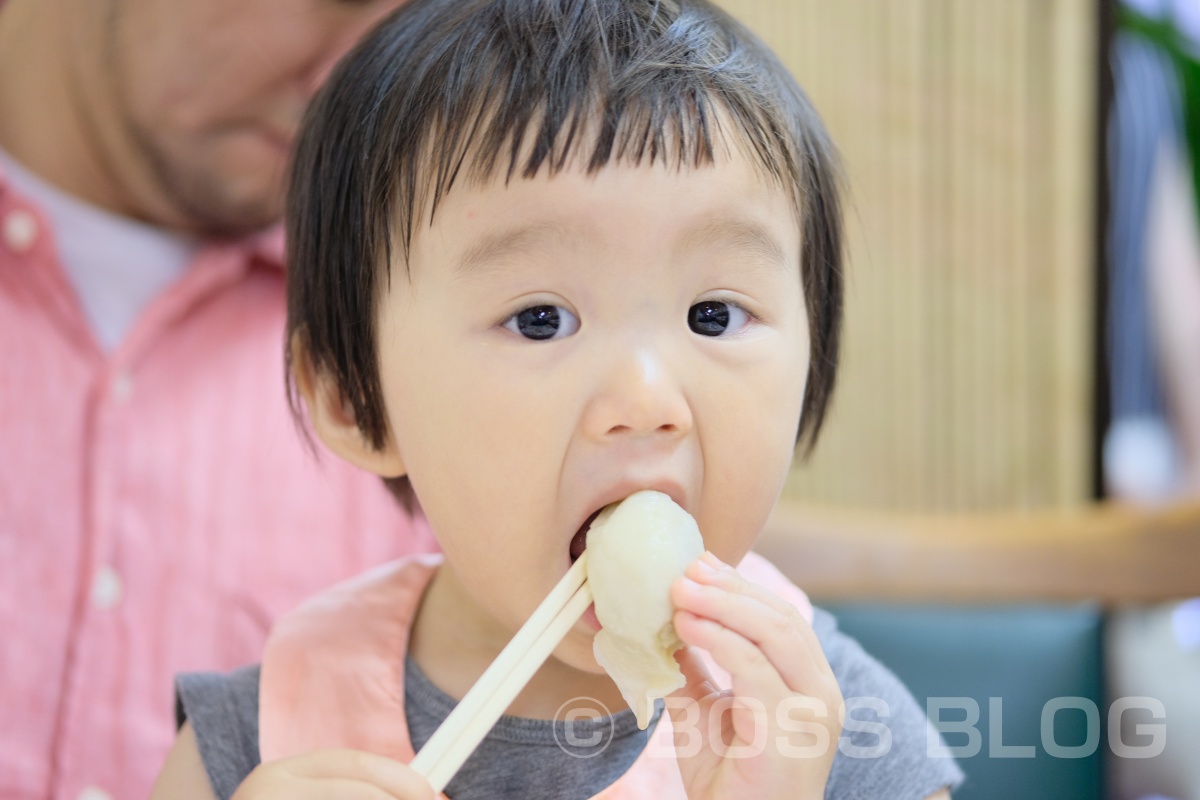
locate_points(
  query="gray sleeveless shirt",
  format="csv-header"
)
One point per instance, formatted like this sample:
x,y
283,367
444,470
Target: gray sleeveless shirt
x,y
536,759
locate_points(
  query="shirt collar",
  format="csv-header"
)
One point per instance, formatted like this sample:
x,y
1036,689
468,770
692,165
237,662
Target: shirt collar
x,y
266,246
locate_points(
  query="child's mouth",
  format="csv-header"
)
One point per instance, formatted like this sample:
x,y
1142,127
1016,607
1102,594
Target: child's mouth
x,y
579,541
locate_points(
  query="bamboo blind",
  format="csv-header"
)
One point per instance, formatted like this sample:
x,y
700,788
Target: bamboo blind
x,y
967,131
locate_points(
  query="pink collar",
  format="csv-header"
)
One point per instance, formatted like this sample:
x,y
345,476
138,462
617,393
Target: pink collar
x,y
333,674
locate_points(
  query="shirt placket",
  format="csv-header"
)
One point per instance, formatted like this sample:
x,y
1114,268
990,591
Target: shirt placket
x,y
103,618
98,695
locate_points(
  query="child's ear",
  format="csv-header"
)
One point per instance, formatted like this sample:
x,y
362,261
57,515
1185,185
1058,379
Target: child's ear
x,y
332,417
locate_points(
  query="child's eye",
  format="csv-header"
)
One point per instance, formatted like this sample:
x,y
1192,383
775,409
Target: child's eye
x,y
716,318
543,322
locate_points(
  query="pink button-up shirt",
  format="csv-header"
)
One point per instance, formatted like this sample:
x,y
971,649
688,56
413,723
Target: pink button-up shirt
x,y
157,508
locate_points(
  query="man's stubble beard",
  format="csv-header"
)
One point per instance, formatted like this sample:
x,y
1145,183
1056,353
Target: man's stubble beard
x,y
199,201
199,196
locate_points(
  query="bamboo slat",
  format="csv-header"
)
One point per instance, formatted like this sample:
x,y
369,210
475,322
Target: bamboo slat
x,y
968,132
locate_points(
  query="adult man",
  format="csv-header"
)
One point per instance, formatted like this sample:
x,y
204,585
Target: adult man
x,y
154,495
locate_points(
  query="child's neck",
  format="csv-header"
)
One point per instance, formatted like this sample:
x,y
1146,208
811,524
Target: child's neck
x,y
453,641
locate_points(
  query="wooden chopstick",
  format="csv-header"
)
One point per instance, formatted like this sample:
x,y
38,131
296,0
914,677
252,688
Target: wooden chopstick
x,y
477,728
466,726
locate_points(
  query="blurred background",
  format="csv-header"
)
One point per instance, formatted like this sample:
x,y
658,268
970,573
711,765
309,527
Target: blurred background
x,y
970,132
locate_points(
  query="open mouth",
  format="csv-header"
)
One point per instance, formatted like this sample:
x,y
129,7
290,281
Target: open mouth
x,y
579,540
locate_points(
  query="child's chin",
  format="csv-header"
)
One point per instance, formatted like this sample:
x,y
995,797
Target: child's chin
x,y
575,651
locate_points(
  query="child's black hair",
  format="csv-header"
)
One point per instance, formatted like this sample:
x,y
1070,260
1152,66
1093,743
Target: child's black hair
x,y
451,90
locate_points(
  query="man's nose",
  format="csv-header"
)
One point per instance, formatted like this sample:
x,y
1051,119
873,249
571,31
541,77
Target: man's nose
x,y
638,396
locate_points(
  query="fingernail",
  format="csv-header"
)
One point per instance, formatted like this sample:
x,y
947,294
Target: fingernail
x,y
706,569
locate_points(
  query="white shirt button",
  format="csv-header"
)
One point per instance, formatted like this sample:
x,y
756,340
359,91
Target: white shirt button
x,y
106,589
94,793
20,230
122,387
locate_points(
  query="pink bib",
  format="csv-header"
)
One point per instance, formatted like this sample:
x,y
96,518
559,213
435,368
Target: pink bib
x,y
333,674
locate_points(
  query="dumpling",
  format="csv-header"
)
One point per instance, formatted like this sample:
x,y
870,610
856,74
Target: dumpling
x,y
636,549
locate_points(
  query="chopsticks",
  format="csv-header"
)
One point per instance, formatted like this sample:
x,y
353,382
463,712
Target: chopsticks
x,y
466,726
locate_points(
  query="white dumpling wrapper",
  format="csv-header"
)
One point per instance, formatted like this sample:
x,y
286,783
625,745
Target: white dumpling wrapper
x,y
636,549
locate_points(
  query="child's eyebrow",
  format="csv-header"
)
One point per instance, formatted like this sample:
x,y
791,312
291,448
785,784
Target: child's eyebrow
x,y
736,234
496,246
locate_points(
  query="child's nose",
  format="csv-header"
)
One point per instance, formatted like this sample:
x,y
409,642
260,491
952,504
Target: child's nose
x,y
638,396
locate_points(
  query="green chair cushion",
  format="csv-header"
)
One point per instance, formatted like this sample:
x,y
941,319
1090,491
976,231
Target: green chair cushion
x,y
1015,665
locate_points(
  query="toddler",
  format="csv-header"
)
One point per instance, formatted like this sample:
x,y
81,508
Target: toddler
x,y
544,254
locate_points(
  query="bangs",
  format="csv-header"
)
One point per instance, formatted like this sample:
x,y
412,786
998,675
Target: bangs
x,y
550,85
501,145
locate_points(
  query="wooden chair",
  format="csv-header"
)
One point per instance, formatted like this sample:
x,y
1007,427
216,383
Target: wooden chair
x,y
996,608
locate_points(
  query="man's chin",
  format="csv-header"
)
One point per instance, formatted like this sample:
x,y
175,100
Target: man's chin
x,y
223,206
235,223
227,194
210,210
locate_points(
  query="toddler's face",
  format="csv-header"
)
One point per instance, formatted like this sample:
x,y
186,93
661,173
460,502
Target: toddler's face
x,y
561,342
